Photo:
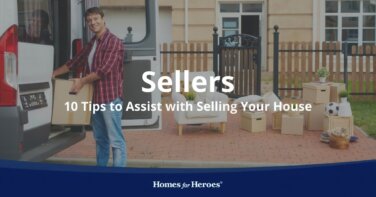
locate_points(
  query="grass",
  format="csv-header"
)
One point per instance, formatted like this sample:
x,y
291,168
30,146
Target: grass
x,y
357,86
364,113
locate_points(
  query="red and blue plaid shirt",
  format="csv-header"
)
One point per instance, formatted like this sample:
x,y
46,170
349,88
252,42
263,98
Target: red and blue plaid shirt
x,y
107,64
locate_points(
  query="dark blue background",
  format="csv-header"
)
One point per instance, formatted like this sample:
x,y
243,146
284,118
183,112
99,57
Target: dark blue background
x,y
39,179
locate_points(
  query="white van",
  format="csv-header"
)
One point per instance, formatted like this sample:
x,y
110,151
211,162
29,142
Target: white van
x,y
37,36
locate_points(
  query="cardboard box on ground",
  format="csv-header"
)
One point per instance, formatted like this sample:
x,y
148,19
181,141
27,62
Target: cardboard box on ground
x,y
253,121
292,125
274,118
68,108
314,118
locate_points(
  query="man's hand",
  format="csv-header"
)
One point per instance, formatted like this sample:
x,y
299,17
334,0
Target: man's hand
x,y
59,71
77,85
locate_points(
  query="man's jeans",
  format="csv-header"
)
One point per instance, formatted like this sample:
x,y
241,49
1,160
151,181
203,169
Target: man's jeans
x,y
107,132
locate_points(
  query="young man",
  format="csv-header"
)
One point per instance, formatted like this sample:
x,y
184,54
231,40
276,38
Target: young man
x,y
102,59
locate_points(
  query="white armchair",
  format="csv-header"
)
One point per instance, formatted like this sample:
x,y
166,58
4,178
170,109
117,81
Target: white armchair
x,y
196,116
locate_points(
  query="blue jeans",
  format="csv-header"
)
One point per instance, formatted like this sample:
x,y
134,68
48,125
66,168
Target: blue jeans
x,y
108,132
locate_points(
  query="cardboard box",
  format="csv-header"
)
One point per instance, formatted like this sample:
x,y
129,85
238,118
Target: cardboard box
x,y
277,120
253,121
292,125
314,118
332,122
316,92
335,89
67,108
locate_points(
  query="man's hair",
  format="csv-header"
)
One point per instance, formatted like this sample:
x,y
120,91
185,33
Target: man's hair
x,y
94,10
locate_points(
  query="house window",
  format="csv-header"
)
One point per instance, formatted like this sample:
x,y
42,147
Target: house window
x,y
230,7
351,21
230,26
240,18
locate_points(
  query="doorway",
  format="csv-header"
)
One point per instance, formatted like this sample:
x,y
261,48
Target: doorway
x,y
250,25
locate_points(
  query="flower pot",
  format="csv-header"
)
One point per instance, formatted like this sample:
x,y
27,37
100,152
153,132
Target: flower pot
x,y
343,99
322,79
344,109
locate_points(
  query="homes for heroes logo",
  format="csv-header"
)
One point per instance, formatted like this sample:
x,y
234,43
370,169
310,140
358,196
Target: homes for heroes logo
x,y
187,185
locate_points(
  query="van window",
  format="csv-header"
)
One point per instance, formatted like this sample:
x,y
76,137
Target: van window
x,y
35,21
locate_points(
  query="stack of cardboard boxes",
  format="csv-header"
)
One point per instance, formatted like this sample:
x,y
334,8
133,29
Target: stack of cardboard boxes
x,y
332,122
318,95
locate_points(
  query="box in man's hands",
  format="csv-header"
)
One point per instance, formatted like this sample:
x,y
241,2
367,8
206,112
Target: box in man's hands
x,y
69,108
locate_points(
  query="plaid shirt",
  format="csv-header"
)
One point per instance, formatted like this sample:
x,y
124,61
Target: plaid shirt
x,y
107,64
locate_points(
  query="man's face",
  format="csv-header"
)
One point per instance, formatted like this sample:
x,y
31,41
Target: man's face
x,y
95,23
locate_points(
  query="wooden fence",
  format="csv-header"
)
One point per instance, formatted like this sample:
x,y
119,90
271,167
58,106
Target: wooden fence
x,y
181,56
299,61
362,81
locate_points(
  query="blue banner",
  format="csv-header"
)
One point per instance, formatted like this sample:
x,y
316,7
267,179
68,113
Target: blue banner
x,y
39,179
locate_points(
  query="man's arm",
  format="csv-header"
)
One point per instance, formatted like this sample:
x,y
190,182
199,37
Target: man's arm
x,y
78,60
80,82
61,70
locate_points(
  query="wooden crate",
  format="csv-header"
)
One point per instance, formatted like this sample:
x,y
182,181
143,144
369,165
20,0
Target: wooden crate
x,y
332,122
316,92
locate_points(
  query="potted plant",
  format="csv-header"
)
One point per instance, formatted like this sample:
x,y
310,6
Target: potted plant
x,y
343,95
344,106
190,96
322,73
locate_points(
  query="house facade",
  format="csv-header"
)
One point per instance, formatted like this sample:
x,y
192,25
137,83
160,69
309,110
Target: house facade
x,y
298,20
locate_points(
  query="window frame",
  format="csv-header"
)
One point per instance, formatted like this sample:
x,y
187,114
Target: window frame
x,y
340,15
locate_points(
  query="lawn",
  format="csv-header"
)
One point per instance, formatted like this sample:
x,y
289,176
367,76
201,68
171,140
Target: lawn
x,y
364,113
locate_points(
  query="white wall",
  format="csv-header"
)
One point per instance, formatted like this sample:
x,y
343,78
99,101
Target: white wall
x,y
119,19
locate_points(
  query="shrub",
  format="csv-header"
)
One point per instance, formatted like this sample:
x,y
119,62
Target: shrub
x,y
322,72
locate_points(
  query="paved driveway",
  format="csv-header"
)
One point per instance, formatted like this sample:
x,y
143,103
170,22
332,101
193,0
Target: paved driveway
x,y
201,144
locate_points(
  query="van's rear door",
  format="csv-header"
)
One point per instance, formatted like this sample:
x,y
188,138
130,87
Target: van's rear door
x,y
141,55
36,60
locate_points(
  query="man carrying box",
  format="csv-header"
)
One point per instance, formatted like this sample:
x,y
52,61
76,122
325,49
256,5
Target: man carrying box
x,y
102,59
